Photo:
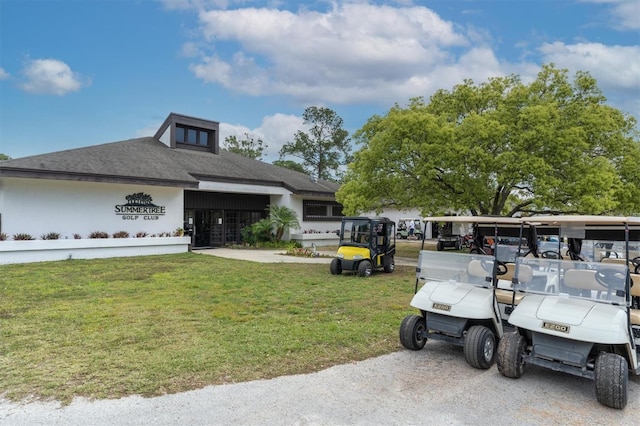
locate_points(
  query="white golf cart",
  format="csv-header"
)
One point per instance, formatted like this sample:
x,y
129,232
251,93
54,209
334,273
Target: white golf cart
x,y
587,325
459,300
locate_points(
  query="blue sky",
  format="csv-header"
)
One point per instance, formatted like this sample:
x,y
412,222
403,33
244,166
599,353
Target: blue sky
x,y
76,73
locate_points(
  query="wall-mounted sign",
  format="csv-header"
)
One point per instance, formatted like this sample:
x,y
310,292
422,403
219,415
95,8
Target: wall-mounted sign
x,y
139,205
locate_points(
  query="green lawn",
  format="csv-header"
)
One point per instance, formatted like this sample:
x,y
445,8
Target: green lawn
x,y
163,324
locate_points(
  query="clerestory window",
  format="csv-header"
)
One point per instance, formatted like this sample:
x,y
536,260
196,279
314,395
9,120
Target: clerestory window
x,y
192,135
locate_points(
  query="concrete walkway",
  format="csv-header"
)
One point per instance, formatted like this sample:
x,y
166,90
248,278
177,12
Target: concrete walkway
x,y
280,256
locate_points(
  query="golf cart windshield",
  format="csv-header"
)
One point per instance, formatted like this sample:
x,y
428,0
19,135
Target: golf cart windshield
x,y
356,232
476,269
601,282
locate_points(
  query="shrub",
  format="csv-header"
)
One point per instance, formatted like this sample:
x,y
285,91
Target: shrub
x,y
98,234
121,234
179,232
23,237
77,236
51,236
3,236
141,234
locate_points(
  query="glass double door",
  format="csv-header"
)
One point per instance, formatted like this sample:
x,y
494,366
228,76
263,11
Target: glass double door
x,y
215,228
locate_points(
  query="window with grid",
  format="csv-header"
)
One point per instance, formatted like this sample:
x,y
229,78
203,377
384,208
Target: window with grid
x,y
192,135
322,210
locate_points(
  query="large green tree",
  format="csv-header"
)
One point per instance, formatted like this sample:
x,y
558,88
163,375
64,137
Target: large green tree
x,y
4,157
500,148
249,146
325,148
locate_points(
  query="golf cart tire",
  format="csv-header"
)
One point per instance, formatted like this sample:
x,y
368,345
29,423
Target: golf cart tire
x,y
480,347
336,267
364,268
389,264
611,377
410,329
510,355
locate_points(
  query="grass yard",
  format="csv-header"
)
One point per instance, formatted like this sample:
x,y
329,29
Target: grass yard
x,y
162,324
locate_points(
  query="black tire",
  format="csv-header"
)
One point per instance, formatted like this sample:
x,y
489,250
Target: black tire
x,y
480,347
410,332
440,246
398,235
364,268
418,236
389,264
611,377
336,267
510,355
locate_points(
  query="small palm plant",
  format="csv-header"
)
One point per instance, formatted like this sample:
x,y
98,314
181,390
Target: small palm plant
x,y
283,219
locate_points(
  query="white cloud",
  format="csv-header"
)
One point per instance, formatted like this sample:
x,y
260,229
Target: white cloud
x,y
51,77
3,74
361,53
347,54
617,66
625,13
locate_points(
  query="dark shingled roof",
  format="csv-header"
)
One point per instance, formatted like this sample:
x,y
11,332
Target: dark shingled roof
x,y
149,161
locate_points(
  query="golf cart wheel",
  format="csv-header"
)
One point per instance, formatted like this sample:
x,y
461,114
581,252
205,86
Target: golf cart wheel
x,y
389,264
411,332
480,347
612,376
510,355
440,246
336,267
364,268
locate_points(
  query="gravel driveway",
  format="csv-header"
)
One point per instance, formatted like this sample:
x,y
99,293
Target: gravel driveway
x,y
431,386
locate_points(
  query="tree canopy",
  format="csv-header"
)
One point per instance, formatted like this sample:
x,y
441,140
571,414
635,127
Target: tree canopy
x,y
325,148
4,157
249,146
500,148
289,164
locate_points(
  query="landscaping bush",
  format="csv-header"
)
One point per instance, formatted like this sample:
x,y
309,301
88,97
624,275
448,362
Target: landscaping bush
x,y
98,234
23,237
121,234
51,236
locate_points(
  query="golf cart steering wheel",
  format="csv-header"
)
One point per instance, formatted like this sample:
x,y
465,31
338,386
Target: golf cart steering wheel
x,y
550,254
636,262
610,278
501,268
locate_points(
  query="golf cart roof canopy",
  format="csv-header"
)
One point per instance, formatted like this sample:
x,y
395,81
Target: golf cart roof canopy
x,y
365,218
581,220
490,220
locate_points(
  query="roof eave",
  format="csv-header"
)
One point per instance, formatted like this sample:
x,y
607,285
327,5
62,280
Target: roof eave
x,y
86,177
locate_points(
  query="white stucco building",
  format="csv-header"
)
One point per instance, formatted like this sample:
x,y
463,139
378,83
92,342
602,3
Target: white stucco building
x,y
179,178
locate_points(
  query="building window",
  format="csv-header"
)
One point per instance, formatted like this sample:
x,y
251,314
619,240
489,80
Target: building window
x,y
191,135
322,210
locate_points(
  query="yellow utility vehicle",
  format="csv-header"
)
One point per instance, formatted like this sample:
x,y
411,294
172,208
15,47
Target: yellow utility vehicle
x,y
365,244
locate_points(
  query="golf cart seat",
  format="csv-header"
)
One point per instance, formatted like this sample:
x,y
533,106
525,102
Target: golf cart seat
x,y
524,276
617,261
582,279
475,269
635,292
